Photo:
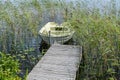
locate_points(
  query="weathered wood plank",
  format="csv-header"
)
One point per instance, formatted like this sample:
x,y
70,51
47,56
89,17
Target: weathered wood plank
x,y
60,62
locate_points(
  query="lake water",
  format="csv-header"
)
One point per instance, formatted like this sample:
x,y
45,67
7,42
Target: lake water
x,y
90,3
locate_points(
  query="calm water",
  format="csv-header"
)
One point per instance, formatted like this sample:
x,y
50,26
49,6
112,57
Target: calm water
x,y
90,3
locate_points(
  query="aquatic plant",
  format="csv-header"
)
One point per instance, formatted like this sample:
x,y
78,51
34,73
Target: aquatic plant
x,y
99,37
19,27
9,67
96,30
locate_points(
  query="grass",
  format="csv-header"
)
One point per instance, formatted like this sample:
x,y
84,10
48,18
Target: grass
x,y
101,48
99,37
19,24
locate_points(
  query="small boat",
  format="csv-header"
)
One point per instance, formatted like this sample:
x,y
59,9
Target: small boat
x,y
52,32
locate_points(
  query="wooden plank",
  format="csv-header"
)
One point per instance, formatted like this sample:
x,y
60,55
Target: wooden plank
x,y
60,62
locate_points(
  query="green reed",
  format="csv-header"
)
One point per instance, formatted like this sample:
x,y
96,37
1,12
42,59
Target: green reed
x,y
97,33
19,25
99,36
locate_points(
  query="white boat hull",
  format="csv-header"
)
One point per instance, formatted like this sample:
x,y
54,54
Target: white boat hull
x,y
53,32
60,40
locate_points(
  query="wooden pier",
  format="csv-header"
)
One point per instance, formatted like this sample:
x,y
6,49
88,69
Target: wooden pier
x,y
60,62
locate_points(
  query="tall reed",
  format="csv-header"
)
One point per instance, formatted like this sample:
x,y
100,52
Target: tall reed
x,y
19,27
96,30
99,37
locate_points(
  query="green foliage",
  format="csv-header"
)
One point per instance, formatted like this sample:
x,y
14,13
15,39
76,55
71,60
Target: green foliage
x,y
100,38
18,22
9,67
99,34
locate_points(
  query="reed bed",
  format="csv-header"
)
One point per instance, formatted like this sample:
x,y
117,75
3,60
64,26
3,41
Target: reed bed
x,y
96,30
19,33
99,35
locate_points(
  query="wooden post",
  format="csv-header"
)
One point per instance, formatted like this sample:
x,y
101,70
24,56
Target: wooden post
x,y
49,38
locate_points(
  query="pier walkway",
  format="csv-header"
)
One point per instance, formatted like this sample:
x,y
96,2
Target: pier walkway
x,y
60,62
